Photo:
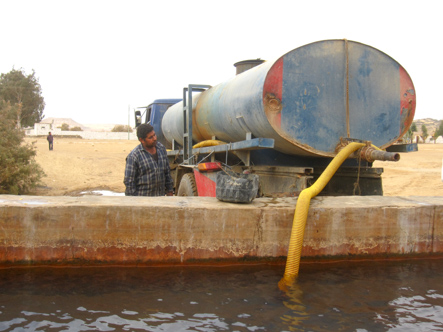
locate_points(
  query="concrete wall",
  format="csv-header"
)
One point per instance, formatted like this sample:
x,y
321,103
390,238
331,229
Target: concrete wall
x,y
174,230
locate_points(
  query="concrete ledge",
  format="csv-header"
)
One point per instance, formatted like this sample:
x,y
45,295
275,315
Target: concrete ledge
x,y
170,230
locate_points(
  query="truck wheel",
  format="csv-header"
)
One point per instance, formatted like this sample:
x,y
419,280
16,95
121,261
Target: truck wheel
x,y
187,186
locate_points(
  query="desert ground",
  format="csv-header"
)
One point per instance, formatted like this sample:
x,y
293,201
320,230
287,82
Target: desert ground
x,y
77,166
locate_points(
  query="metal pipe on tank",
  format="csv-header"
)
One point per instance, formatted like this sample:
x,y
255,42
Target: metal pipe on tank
x,y
306,100
245,65
370,154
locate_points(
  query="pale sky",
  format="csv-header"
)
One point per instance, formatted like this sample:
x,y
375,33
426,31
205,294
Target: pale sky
x,y
96,59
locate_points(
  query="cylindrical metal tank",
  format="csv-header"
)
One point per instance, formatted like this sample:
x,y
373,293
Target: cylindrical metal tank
x,y
306,101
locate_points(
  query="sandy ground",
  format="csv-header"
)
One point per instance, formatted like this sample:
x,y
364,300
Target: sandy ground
x,y
416,174
78,165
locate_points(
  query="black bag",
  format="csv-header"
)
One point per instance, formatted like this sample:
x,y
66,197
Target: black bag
x,y
235,187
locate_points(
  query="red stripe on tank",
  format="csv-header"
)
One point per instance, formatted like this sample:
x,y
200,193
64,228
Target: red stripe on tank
x,y
274,86
407,100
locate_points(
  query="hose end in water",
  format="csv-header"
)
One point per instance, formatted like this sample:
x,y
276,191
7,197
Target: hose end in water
x,y
286,282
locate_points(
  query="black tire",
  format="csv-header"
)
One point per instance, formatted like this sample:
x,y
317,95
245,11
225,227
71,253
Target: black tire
x,y
187,186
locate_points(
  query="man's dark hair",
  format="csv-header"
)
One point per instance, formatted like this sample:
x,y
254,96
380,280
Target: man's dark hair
x,y
143,130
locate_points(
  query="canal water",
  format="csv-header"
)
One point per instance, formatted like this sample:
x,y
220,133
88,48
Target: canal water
x,y
402,295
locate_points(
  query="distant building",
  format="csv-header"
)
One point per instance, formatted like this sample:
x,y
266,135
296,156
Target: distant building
x,y
53,125
42,129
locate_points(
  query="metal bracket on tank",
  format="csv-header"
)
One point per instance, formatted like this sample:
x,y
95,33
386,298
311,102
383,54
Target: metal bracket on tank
x,y
245,155
187,119
235,147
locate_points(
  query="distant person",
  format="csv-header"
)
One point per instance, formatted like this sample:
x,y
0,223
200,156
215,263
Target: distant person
x,y
50,140
147,171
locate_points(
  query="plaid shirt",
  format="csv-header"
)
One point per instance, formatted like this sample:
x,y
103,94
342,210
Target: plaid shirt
x,y
146,177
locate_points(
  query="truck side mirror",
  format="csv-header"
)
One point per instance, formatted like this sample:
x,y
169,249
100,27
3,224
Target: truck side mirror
x,y
138,118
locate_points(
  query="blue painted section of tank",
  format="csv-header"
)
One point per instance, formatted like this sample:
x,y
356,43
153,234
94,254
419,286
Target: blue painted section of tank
x,y
314,103
374,95
309,89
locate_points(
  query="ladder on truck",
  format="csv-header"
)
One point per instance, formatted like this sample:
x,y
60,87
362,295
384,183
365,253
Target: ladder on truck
x,y
242,148
187,119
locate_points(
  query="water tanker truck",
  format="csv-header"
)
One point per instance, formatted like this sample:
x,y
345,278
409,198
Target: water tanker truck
x,y
284,120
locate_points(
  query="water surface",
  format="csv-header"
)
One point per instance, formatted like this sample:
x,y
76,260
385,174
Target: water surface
x,y
356,296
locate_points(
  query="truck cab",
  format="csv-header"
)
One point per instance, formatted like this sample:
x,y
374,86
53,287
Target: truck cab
x,y
153,114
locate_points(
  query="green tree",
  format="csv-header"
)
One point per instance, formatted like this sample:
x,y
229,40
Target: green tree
x,y
408,135
121,129
424,131
24,91
439,131
64,127
19,172
76,129
413,127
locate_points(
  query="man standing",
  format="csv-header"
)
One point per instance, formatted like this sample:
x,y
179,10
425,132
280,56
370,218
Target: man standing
x,y
50,140
147,170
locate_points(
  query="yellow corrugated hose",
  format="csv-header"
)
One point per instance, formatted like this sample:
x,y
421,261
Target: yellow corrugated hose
x,y
210,142
301,214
